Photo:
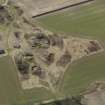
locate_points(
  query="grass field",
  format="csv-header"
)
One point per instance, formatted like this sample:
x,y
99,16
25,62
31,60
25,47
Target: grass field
x,y
84,21
8,85
10,90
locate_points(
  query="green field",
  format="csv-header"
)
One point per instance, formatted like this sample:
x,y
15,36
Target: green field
x,y
82,21
10,90
87,21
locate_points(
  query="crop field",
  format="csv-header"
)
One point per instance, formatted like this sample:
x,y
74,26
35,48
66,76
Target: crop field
x,y
87,21
8,85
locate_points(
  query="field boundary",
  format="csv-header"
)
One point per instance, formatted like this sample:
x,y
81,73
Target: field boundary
x,y
62,8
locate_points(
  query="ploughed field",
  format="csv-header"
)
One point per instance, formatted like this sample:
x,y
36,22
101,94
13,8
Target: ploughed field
x,y
87,21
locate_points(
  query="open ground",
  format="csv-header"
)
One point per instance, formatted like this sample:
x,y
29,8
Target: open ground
x,y
84,21
10,89
35,8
